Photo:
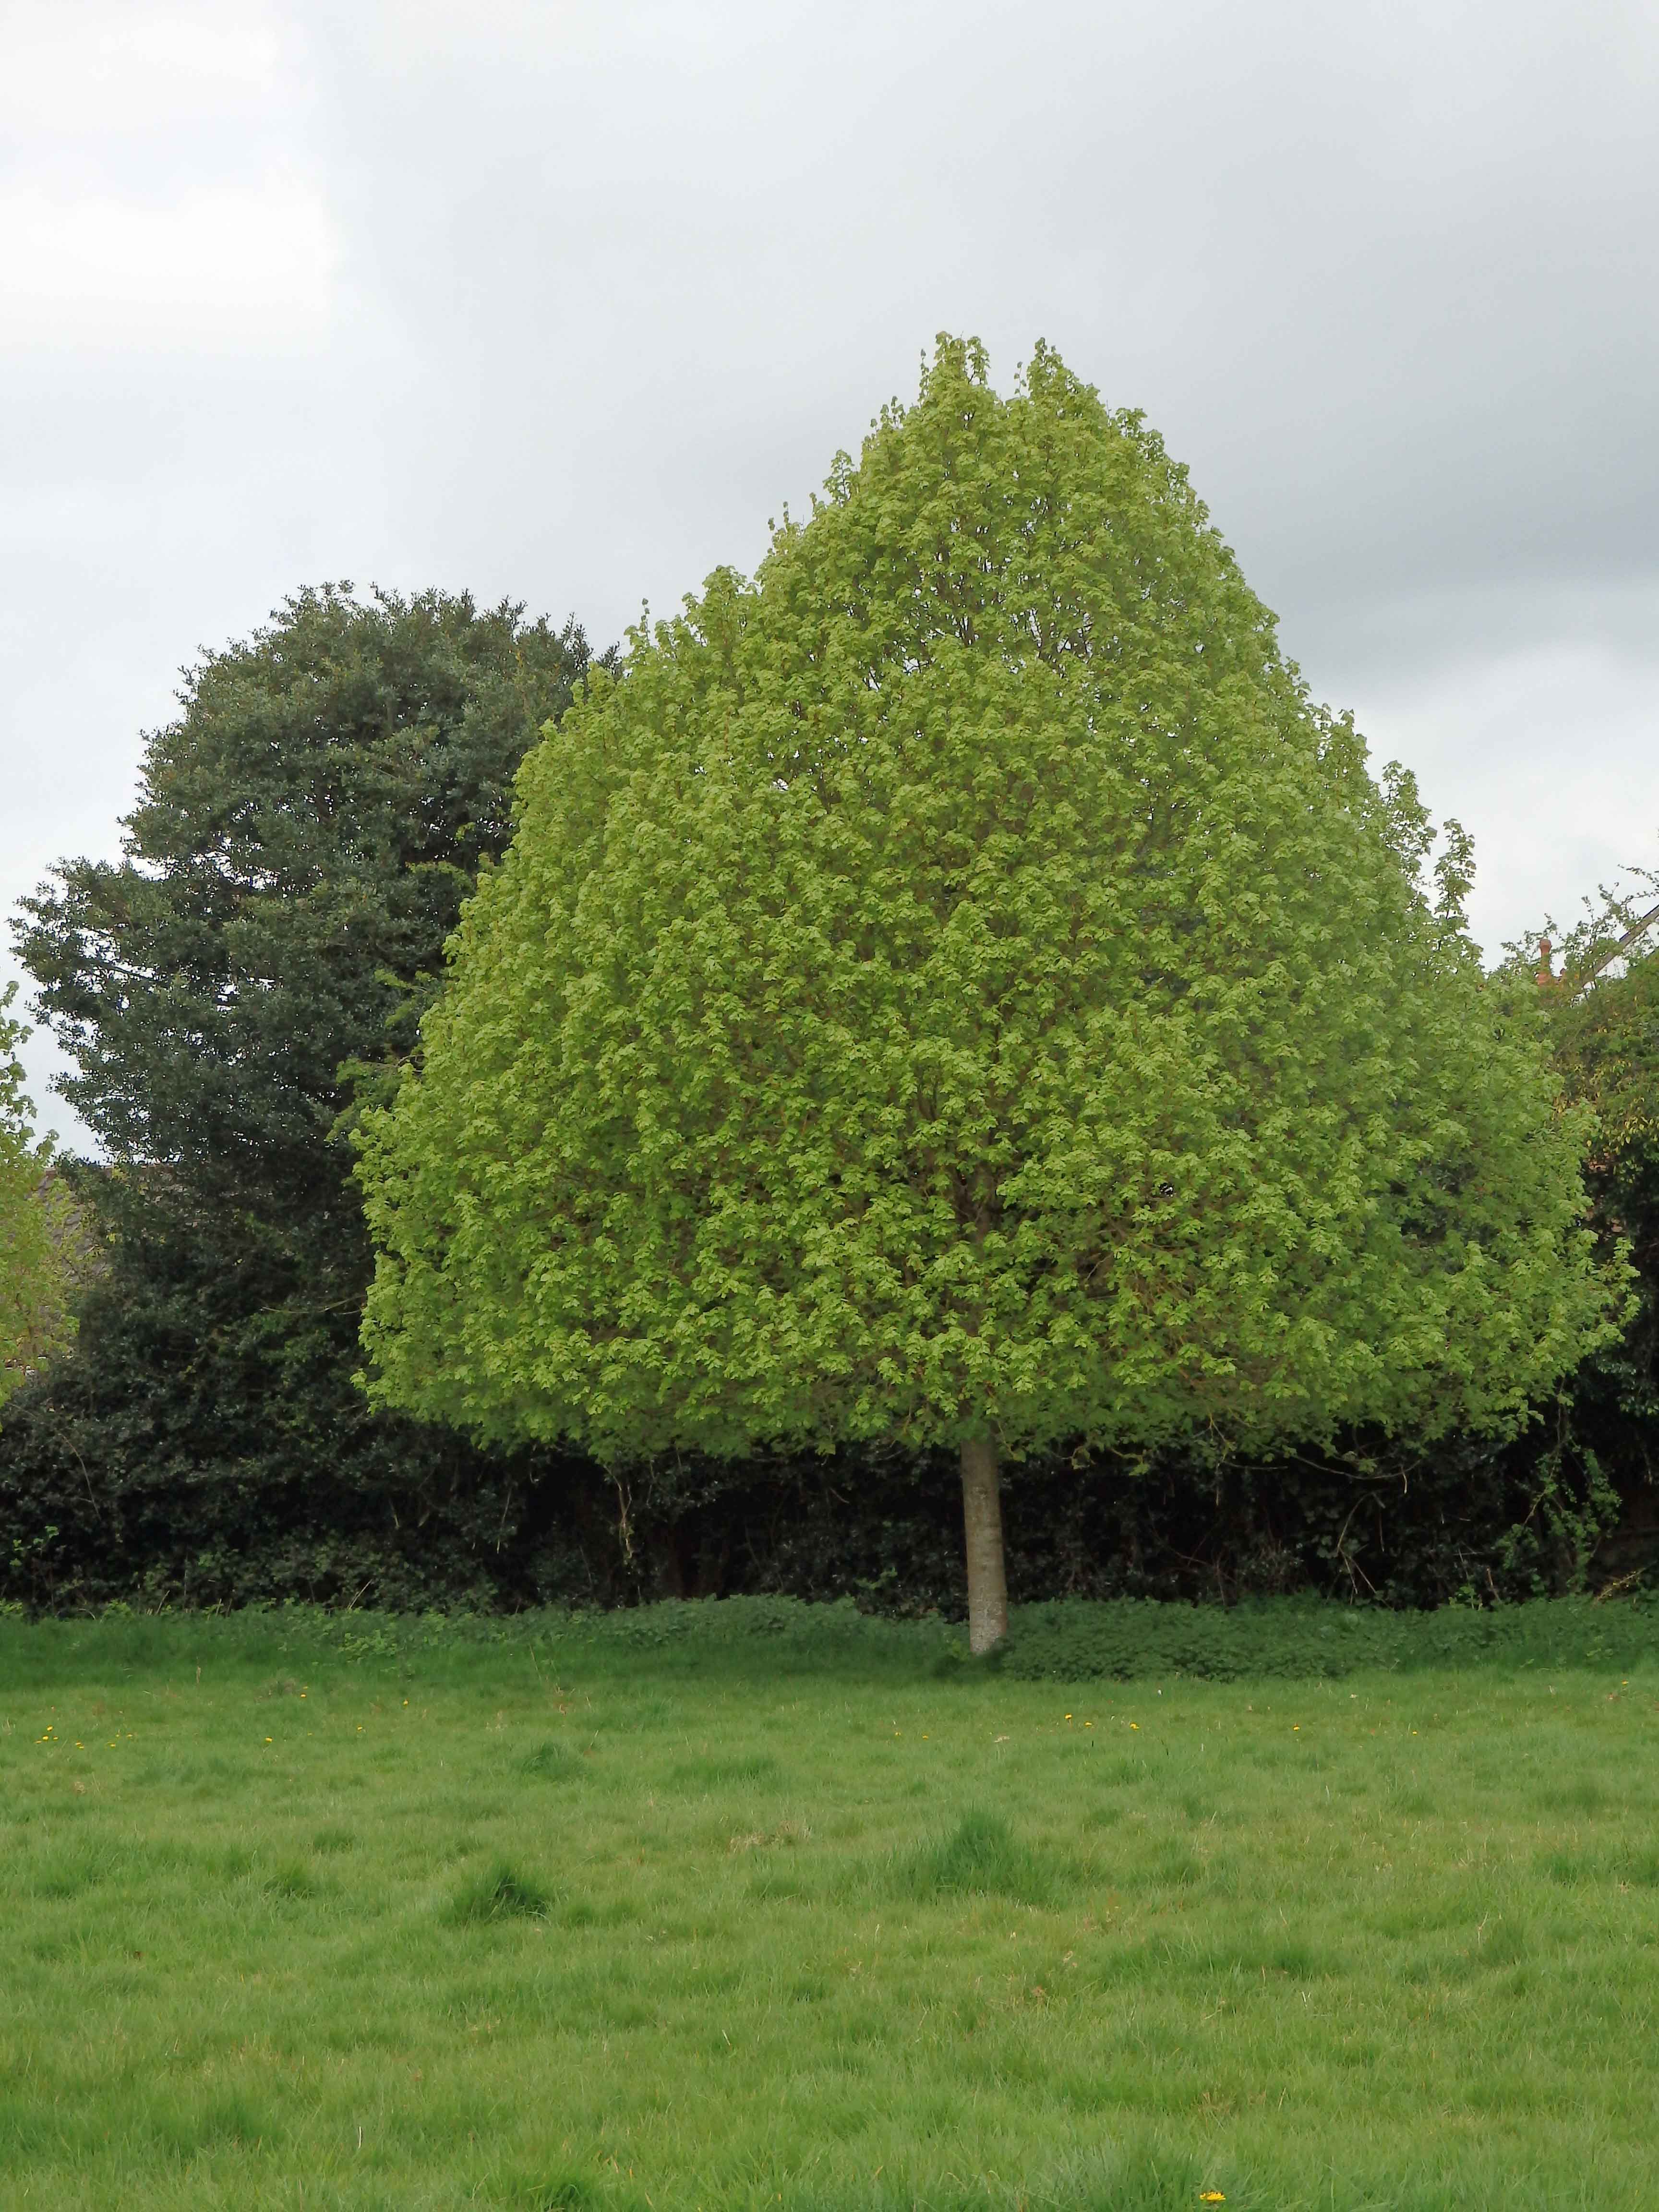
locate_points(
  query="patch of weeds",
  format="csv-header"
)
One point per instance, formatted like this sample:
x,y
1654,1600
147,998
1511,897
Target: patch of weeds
x,y
556,1760
582,1912
1631,1870
1298,1962
1426,1916
1571,1870
1124,1772
1428,1969
70,1870
1133,2181
501,1893
1174,1867
570,2195
1103,1816
186,2128
65,1873
1410,1804
1584,1794
1504,1944
982,1857
290,1880
777,1885
787,1833
725,1773
1289,1960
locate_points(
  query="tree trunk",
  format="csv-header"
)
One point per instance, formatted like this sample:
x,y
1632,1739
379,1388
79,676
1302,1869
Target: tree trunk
x,y
982,1514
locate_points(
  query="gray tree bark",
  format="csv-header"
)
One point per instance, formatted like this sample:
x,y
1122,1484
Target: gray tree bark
x,y
981,1515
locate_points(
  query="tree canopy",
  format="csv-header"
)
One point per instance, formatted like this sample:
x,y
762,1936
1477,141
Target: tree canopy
x,y
1603,1009
34,1226
959,987
304,832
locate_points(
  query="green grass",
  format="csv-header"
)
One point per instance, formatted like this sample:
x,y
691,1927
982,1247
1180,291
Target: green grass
x,y
732,1909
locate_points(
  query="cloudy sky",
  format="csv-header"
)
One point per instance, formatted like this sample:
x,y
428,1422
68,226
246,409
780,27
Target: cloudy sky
x,y
561,300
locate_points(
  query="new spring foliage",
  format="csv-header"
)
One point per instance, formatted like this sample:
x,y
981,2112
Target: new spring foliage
x,y
35,1225
958,984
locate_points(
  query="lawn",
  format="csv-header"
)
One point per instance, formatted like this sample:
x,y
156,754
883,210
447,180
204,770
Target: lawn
x,y
798,1909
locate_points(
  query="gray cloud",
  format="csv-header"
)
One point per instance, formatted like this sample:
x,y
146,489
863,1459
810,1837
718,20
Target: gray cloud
x,y
564,301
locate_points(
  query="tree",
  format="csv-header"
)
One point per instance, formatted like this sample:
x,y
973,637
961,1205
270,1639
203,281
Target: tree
x,y
304,832
34,1226
1602,1008
958,990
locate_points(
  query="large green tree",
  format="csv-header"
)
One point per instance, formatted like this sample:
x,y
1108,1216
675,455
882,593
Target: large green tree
x,y
959,989
305,831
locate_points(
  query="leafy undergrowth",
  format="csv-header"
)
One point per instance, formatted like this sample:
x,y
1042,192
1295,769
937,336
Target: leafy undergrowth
x,y
706,1912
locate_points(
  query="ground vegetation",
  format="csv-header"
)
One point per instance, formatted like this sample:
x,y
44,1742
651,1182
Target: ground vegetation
x,y
751,1905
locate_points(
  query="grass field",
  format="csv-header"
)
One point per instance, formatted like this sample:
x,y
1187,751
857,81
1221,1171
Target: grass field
x,y
321,1914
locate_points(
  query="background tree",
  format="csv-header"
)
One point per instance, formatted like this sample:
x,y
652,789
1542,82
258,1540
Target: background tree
x,y
958,990
36,1226
1600,990
304,832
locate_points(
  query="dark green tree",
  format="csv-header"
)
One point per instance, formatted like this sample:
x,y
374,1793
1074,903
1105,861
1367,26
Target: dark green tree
x,y
304,835
959,991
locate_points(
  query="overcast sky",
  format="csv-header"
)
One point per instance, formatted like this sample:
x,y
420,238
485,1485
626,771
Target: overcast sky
x,y
562,301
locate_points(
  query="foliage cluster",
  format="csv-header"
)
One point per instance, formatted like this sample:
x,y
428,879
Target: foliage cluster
x,y
304,832
1605,1028
38,1228
960,986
